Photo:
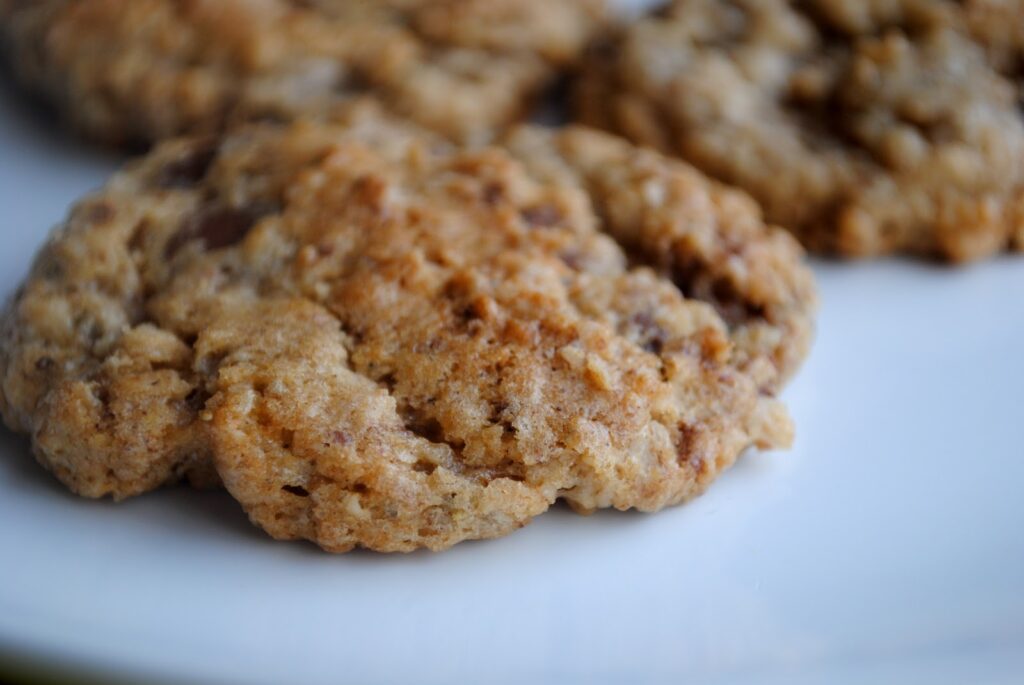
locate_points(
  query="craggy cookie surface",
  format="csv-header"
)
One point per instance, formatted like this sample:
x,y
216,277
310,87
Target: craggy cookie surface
x,y
864,127
378,339
143,70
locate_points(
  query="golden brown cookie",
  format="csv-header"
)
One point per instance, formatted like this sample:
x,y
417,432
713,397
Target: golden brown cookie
x,y
999,26
864,127
379,339
143,70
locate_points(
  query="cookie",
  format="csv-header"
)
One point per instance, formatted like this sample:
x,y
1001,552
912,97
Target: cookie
x,y
999,26
379,339
866,128
136,71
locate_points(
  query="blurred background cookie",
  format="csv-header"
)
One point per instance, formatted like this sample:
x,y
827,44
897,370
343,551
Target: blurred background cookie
x,y
136,71
866,128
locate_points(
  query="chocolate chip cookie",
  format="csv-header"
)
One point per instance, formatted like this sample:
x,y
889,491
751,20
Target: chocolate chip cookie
x,y
142,70
998,25
376,338
866,128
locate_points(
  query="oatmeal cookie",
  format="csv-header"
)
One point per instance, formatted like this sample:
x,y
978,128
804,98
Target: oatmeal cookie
x,y
866,128
999,26
380,339
142,70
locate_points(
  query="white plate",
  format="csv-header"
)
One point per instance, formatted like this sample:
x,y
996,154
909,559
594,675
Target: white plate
x,y
886,547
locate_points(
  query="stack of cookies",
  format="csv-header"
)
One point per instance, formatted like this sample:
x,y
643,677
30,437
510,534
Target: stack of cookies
x,y
349,285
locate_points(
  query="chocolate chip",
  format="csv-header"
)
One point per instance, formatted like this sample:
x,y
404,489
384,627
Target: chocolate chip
x,y
542,215
224,228
267,115
652,335
216,227
661,12
497,409
389,381
196,400
50,268
572,259
493,193
189,169
732,305
45,363
296,490
425,467
654,346
97,212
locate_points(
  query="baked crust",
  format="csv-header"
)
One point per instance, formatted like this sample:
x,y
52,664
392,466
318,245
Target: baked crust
x,y
379,339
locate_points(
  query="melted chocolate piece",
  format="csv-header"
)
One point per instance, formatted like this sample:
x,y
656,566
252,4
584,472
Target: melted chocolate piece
x,y
216,226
